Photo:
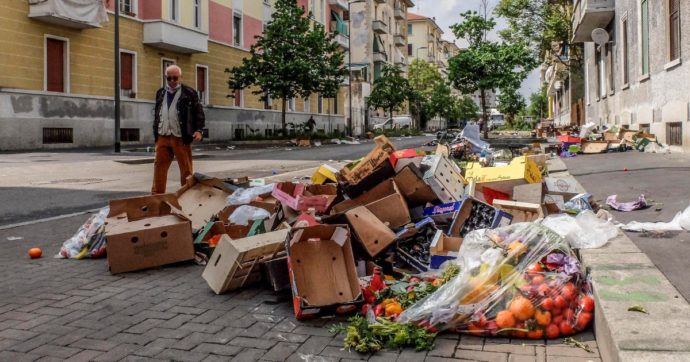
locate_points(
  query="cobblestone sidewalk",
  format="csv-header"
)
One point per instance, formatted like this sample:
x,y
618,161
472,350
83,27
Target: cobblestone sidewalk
x,y
52,309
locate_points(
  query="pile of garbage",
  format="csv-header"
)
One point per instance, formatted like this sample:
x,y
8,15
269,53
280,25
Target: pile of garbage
x,y
407,240
587,140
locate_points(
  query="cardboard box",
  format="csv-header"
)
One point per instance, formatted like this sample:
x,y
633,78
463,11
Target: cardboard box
x,y
201,198
411,185
275,273
372,233
565,186
409,153
442,249
444,213
235,263
324,174
530,193
424,230
275,209
612,137
554,203
521,211
357,171
539,159
384,201
322,271
569,139
591,147
162,236
302,197
469,218
444,178
520,171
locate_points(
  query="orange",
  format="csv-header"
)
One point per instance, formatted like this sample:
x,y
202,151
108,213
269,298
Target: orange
x,y
35,253
535,334
505,319
522,308
517,248
542,318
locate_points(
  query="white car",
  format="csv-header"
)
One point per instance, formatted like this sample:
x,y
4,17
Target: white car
x,y
395,122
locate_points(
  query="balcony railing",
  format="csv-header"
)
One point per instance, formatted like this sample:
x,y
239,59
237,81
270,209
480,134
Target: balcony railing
x,y
379,27
342,40
399,40
380,1
589,15
380,57
342,4
399,14
175,38
77,15
431,38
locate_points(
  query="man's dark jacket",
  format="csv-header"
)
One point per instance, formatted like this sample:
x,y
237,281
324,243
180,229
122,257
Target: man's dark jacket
x,y
190,113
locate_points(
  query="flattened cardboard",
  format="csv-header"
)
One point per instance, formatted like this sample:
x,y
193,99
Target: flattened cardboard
x,y
322,271
233,261
521,211
442,249
530,193
201,198
413,188
148,243
373,234
554,203
565,186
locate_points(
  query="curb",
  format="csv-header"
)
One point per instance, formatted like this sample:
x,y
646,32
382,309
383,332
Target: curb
x,y
623,276
143,160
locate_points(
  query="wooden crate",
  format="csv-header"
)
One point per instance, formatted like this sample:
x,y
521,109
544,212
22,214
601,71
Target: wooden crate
x,y
590,147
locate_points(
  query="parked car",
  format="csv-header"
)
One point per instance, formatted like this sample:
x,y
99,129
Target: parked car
x,y
395,122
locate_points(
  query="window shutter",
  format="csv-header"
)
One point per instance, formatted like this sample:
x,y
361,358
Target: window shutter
x,y
126,71
55,65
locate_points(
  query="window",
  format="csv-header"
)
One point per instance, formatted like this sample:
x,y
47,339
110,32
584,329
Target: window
x,y
202,83
674,28
58,135
323,12
165,63
335,104
291,104
597,65
319,104
238,98
624,51
644,29
409,49
312,8
674,134
128,68
197,14
237,29
409,29
174,10
587,83
307,105
56,65
128,7
609,66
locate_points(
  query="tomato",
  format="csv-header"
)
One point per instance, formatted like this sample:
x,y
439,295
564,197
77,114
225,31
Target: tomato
x,y
479,319
535,334
543,290
546,304
560,302
557,320
568,292
556,311
35,253
534,269
519,334
568,315
566,328
552,331
538,279
583,320
587,303
475,329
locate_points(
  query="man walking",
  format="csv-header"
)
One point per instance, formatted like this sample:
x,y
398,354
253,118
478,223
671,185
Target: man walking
x,y
179,120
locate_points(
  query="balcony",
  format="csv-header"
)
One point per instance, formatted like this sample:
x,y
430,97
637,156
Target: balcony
x,y
399,40
589,15
341,4
341,33
168,36
76,15
379,27
431,38
380,1
380,57
399,14
342,40
401,62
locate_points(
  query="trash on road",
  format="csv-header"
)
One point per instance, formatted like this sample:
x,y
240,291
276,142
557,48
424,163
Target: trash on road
x,y
35,253
641,203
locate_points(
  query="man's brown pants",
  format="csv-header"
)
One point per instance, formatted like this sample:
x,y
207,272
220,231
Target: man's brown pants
x,y
166,148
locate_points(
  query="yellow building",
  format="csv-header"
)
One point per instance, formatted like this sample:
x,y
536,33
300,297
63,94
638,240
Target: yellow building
x,y
61,52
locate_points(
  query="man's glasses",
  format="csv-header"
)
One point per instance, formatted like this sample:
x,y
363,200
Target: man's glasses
x,y
172,78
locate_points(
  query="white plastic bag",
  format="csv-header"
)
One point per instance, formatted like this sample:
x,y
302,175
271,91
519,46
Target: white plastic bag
x,y
89,241
245,196
585,231
680,222
244,213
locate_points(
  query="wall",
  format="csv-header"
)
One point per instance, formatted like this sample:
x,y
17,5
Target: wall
x,y
23,115
661,98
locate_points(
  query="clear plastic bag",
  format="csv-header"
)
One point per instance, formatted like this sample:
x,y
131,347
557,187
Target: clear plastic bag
x,y
244,213
89,241
579,203
680,222
585,231
245,196
520,281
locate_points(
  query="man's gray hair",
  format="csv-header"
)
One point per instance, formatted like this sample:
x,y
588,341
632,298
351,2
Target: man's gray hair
x,y
173,66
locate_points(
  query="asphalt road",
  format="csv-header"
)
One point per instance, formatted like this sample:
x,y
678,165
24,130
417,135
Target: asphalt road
x,y
661,178
47,184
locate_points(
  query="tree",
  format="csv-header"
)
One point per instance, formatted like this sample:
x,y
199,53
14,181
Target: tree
x,y
423,77
466,109
441,101
510,103
487,65
538,104
541,24
291,58
390,91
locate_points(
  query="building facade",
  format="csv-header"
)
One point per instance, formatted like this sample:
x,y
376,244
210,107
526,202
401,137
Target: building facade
x,y
57,86
563,78
636,73
378,36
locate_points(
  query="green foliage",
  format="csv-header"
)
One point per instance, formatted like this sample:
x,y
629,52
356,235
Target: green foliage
x,y
466,109
473,28
398,132
423,77
538,104
365,337
510,103
291,58
390,91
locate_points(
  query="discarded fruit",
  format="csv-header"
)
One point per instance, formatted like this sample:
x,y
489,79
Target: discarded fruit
x,y
547,304
566,328
535,334
542,318
583,320
522,309
560,302
587,303
552,331
35,253
505,319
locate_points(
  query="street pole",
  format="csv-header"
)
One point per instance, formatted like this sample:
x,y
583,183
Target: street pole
x,y
117,75
349,69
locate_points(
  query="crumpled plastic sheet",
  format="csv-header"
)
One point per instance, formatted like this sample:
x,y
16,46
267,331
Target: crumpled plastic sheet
x,y
244,213
245,196
579,203
471,134
89,241
641,203
654,147
584,231
587,129
679,222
